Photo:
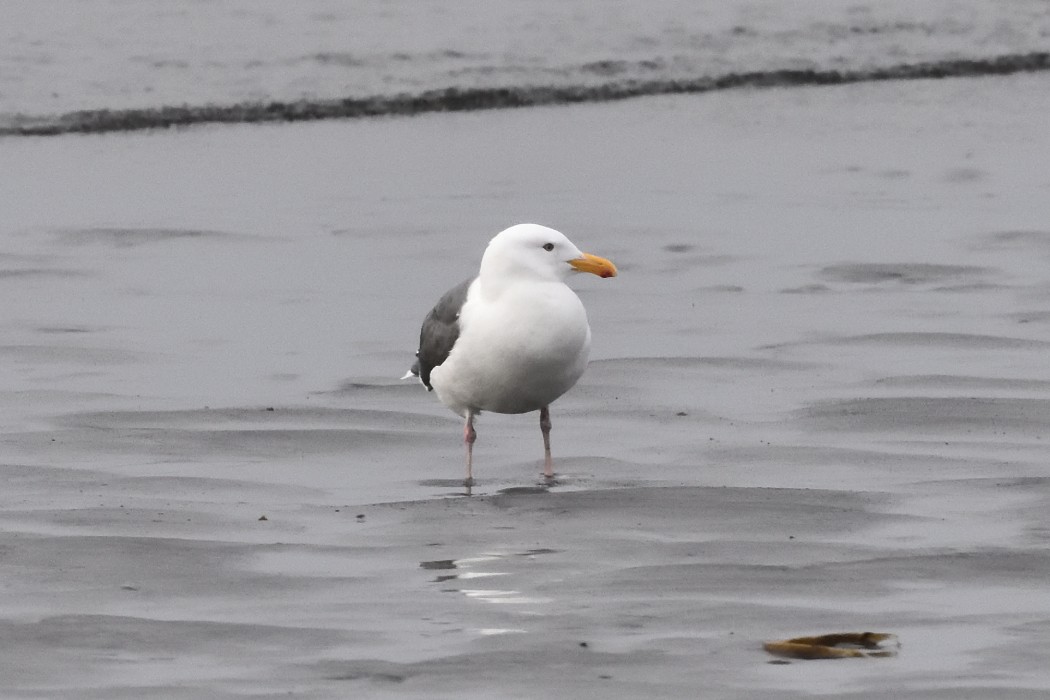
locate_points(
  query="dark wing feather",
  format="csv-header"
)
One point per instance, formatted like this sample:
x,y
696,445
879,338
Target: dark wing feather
x,y
439,332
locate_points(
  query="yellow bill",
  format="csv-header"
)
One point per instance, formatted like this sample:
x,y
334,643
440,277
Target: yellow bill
x,y
594,265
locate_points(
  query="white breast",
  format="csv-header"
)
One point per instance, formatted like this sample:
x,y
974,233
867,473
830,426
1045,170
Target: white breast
x,y
517,352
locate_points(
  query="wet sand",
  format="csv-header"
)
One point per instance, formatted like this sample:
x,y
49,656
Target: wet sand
x,y
819,401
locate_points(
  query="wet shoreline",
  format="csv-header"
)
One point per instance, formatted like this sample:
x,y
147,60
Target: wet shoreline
x,y
818,403
457,99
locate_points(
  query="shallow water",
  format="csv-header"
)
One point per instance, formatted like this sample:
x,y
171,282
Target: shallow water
x,y
818,403
389,55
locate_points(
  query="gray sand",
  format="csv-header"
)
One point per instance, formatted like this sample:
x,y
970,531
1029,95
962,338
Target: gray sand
x,y
819,402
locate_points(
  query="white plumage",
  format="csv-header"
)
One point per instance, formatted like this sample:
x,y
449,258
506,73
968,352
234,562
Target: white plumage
x,y
515,338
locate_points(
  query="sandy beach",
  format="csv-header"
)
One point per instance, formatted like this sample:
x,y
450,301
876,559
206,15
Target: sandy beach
x,y
819,401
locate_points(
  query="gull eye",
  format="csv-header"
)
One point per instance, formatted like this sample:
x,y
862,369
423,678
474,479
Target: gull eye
x,y
548,247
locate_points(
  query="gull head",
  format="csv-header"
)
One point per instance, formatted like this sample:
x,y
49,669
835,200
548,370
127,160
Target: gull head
x,y
534,252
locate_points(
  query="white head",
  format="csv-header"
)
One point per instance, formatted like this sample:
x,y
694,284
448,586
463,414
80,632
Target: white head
x,y
535,252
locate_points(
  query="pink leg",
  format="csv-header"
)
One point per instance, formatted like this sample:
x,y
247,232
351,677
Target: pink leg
x,y
469,436
545,428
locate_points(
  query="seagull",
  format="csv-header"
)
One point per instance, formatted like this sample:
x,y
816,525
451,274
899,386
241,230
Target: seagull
x,y
515,337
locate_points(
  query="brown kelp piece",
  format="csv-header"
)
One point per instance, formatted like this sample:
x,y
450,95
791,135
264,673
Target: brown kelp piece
x,y
841,645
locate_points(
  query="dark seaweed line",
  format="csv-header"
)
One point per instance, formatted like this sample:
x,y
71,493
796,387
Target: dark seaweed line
x,y
474,99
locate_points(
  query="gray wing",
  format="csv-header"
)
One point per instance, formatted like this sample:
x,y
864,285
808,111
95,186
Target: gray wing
x,y
440,331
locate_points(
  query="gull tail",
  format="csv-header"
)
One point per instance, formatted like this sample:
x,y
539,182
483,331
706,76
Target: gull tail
x,y
413,371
